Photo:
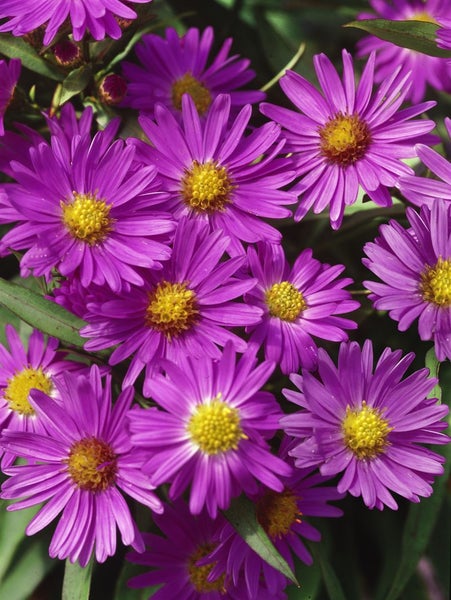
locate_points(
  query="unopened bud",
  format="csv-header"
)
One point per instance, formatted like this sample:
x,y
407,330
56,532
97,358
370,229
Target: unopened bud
x,y
67,54
112,89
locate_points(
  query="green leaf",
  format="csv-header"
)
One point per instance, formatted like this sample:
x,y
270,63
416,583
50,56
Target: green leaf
x,y
330,579
16,47
241,515
433,364
415,35
43,314
75,83
77,581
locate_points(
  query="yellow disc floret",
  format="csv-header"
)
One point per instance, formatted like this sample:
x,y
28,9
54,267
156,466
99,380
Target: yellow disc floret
x,y
422,16
198,575
19,385
277,512
215,427
92,464
87,218
344,139
285,301
365,431
435,285
172,309
192,86
206,187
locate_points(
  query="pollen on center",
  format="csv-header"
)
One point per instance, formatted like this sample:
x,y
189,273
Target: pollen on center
x,y
365,431
206,187
344,139
198,574
277,512
435,283
215,427
18,389
285,301
92,464
172,309
87,218
196,89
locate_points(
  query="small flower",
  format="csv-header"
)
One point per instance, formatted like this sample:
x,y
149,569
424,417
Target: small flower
x,y
348,137
67,54
298,303
80,463
212,430
415,268
174,65
112,89
369,424
9,76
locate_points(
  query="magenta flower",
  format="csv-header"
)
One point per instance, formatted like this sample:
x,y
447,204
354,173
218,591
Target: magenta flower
x,y
98,18
78,467
415,268
186,309
423,69
211,432
40,366
86,209
348,137
368,423
9,76
177,65
298,303
214,173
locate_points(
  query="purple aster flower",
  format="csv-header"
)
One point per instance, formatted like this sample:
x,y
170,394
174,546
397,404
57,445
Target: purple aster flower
x,y
298,303
369,424
39,366
99,17
9,76
183,310
283,517
444,33
348,138
87,209
212,431
177,65
215,173
424,69
415,268
81,463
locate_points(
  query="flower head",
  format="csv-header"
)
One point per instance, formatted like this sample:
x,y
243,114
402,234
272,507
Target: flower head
x,y
348,137
298,303
9,76
78,466
368,423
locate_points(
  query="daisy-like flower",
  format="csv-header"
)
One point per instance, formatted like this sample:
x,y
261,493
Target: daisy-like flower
x,y
283,517
87,210
369,423
177,65
98,18
212,431
424,69
183,310
298,303
348,137
9,76
215,173
39,366
79,466
415,268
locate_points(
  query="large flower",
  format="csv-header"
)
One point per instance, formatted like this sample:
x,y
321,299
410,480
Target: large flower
x,y
86,209
369,424
186,309
78,465
214,172
212,431
9,76
415,268
298,303
423,69
348,137
177,65
99,17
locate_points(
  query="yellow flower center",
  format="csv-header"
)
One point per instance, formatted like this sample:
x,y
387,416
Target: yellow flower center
x,y
285,301
87,218
277,512
198,575
92,464
192,86
172,309
422,16
344,139
18,389
365,431
215,427
206,187
435,285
